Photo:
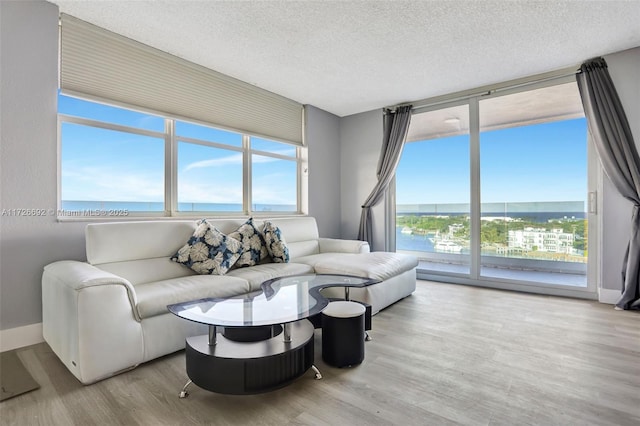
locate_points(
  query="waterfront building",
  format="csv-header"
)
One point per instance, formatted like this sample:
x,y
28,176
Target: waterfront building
x,y
540,239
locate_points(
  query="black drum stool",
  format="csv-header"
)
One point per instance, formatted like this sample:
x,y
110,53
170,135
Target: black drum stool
x,y
343,333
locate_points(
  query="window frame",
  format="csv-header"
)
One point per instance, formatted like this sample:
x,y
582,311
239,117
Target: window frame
x,y
475,277
170,181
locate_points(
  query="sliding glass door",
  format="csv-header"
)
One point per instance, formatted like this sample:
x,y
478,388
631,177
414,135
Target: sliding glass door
x,y
533,182
496,189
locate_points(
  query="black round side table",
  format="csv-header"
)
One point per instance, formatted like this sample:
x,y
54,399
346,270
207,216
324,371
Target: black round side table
x,y
343,333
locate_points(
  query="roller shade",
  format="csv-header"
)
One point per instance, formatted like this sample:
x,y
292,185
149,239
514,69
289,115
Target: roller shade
x,y
102,64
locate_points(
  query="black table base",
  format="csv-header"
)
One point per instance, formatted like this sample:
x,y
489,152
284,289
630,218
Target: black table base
x,y
243,368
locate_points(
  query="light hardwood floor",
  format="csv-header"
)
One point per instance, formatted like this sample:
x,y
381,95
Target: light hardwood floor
x,y
448,354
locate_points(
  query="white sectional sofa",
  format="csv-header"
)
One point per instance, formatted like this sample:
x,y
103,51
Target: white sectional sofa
x,y
109,314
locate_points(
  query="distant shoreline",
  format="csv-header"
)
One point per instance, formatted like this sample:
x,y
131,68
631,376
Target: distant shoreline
x,y
534,216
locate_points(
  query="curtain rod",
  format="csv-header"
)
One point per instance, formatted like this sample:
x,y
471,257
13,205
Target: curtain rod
x,y
488,89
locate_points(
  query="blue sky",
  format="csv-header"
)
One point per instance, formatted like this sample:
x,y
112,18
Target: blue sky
x,y
107,165
542,162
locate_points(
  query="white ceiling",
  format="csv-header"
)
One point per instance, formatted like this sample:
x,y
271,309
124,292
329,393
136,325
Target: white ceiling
x,y
347,57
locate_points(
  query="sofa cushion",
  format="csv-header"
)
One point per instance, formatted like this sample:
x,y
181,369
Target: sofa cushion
x,y
378,265
154,297
258,274
254,248
313,259
125,241
209,251
301,233
276,244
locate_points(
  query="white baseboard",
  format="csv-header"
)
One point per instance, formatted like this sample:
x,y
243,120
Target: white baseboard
x,y
19,337
609,296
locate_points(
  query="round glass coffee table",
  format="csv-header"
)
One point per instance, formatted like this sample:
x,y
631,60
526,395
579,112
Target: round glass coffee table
x,y
267,341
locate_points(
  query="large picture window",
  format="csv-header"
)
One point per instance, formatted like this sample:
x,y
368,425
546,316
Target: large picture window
x,y
116,159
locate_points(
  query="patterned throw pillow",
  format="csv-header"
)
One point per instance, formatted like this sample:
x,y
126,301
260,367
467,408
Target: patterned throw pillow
x,y
209,251
253,247
276,245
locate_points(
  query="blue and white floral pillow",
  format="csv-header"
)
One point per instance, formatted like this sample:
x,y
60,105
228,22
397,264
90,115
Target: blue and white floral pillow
x,y
209,251
276,245
254,249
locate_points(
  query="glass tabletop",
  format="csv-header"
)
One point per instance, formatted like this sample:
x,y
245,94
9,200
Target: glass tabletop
x,y
280,301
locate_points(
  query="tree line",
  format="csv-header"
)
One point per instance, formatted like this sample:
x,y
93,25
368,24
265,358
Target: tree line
x,y
495,231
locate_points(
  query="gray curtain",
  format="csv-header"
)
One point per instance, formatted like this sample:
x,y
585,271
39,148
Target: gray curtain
x,y
395,127
612,136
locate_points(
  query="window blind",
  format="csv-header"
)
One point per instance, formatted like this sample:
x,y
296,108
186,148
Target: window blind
x,y
102,64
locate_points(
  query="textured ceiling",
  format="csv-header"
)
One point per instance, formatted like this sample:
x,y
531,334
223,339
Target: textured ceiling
x,y
347,57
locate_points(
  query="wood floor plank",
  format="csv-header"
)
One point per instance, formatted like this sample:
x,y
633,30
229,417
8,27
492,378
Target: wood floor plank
x,y
447,355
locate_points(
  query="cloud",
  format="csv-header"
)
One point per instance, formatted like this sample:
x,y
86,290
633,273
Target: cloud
x,y
207,192
274,189
110,184
215,162
234,159
118,181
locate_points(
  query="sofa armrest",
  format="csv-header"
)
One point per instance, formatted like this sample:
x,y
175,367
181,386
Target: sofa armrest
x,y
79,275
334,245
90,320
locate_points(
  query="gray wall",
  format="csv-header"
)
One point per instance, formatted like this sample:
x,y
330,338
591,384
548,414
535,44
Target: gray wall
x,y
323,139
624,68
28,161
360,145
28,66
